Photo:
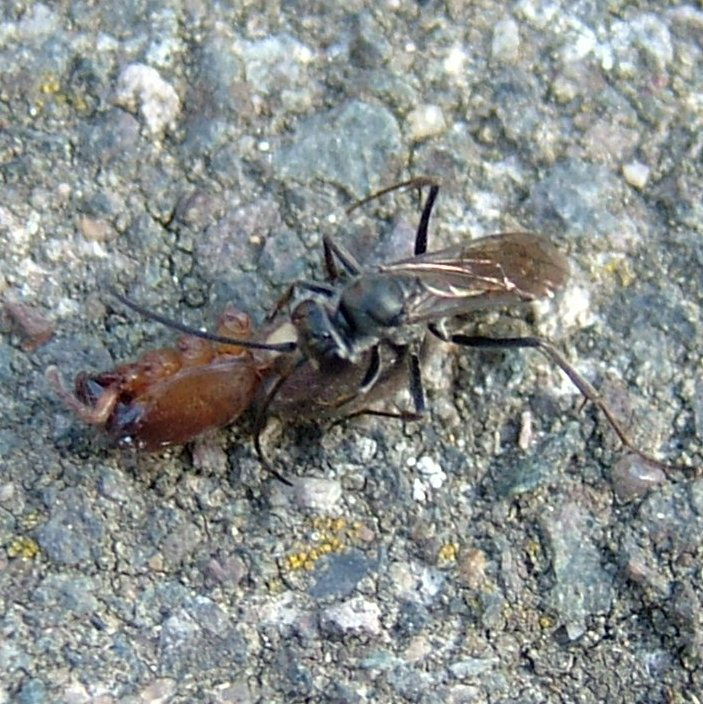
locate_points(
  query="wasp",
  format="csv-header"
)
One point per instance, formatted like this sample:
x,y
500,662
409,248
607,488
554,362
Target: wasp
x,y
366,325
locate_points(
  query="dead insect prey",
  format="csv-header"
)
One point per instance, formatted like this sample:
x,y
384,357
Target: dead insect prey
x,y
170,395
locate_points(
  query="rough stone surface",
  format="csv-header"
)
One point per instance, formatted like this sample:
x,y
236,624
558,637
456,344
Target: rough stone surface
x,y
192,153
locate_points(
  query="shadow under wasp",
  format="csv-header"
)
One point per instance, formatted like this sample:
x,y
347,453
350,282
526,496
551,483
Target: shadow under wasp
x,y
365,325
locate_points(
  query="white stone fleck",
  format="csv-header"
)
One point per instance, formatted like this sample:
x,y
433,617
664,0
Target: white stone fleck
x,y
579,42
505,45
575,308
636,173
687,15
319,494
158,692
402,576
426,121
140,88
367,449
357,615
455,60
430,583
38,21
539,13
653,38
644,35
282,611
604,54
419,490
488,205
106,42
432,471
526,434
274,59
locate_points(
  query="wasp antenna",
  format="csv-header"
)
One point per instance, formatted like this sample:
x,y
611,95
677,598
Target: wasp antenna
x,y
417,182
188,330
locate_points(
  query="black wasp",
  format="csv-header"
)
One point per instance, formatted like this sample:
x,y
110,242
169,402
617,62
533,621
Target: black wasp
x,y
382,313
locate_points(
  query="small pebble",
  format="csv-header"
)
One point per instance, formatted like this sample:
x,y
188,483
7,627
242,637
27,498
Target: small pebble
x,y
36,329
633,477
505,46
636,174
141,88
426,121
357,615
319,494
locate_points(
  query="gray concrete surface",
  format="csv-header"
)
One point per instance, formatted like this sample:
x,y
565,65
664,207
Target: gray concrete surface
x,y
195,152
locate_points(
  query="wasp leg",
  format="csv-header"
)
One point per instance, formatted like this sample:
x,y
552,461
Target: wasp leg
x,y
373,372
371,376
421,236
416,392
419,182
262,417
336,252
588,391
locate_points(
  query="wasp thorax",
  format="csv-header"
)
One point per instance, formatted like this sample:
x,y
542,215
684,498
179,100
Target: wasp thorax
x,y
372,303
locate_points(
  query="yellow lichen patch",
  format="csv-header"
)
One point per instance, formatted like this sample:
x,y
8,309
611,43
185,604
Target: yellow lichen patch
x,y
51,85
23,546
330,527
533,549
80,104
296,560
329,534
546,622
305,559
276,586
31,520
448,553
302,560
620,267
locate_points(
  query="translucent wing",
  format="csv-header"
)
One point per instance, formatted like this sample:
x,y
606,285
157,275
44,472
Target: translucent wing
x,y
502,269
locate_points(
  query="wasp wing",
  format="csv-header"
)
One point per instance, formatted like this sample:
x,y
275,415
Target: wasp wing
x,y
502,269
